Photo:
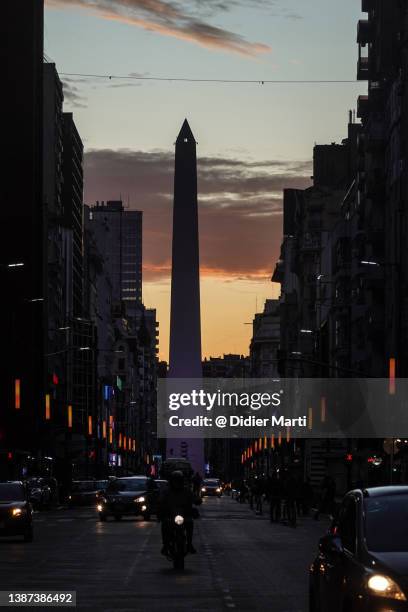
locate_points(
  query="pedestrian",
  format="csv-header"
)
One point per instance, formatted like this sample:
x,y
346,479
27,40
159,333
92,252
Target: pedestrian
x,y
327,497
259,493
275,497
306,496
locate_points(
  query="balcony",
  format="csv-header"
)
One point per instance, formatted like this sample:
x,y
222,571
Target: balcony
x,y
363,67
364,32
362,107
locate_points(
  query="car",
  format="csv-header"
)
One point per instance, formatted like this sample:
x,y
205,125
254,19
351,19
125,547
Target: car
x,y
362,563
16,513
173,464
211,486
129,496
86,492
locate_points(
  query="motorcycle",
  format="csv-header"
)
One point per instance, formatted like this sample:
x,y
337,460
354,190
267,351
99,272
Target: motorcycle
x,y
177,541
177,533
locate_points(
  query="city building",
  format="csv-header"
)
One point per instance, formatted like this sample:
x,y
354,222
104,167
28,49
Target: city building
x,y
265,342
22,267
121,247
72,203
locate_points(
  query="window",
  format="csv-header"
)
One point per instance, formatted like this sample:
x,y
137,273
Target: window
x,y
347,525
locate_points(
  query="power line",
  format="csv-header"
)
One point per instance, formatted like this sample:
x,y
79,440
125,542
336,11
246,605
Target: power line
x,y
194,80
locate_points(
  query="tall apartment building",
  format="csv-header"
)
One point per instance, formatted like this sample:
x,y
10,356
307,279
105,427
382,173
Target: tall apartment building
x,y
122,251
72,202
382,192
21,211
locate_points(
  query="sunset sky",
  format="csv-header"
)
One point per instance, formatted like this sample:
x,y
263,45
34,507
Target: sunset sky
x,y
253,139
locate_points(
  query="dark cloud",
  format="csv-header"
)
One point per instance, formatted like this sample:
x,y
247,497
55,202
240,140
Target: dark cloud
x,y
175,19
239,201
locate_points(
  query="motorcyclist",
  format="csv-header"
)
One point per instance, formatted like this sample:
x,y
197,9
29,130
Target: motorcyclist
x,y
177,498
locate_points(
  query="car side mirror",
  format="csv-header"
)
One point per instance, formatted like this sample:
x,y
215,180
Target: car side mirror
x,y
331,544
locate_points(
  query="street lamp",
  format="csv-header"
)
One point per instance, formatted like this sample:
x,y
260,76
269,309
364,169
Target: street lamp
x,y
377,264
306,331
18,264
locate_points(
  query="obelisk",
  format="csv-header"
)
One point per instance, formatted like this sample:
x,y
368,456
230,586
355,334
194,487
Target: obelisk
x,y
185,321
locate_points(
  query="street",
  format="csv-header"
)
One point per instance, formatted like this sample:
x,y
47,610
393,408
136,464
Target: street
x,y
243,561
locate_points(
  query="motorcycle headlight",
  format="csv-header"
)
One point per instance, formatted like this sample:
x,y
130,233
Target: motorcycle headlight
x,y
17,512
99,507
383,586
179,520
140,500
203,489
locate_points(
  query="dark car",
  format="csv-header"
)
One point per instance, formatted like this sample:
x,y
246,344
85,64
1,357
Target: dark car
x,y
86,492
176,464
211,486
362,564
129,496
16,514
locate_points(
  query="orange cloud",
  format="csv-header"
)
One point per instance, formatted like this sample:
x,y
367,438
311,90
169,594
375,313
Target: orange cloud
x,y
167,18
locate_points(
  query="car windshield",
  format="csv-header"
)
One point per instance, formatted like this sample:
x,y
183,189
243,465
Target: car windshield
x,y
386,523
128,484
211,483
11,492
101,484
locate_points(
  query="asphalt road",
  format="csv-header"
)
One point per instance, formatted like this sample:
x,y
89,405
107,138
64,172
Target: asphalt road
x,y
243,562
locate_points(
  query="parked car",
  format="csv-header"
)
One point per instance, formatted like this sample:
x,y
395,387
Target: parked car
x,y
362,563
86,492
16,514
211,486
129,496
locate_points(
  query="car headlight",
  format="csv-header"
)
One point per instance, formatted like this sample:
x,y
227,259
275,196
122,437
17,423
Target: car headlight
x,y
383,586
218,490
140,500
179,520
17,512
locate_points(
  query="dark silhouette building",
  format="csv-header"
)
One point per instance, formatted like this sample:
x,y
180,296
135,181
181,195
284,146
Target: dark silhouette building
x,y
72,200
21,213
